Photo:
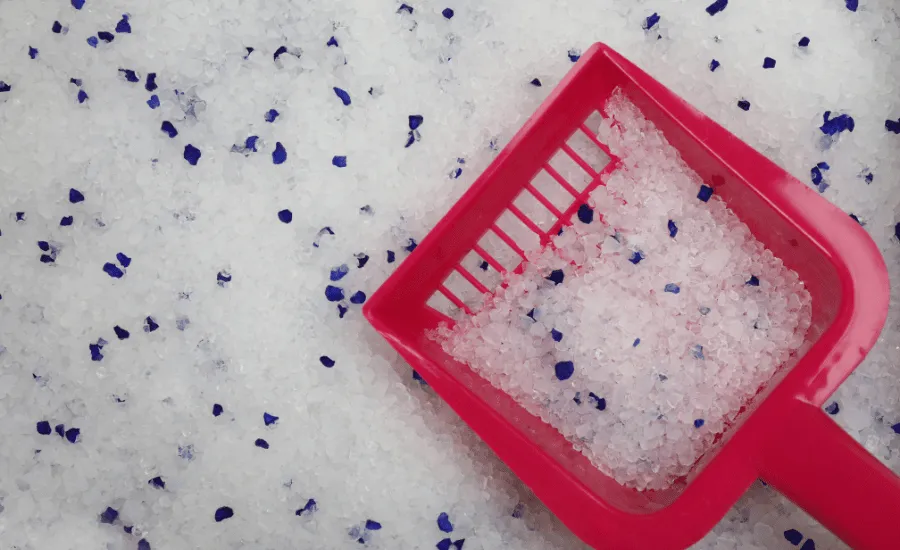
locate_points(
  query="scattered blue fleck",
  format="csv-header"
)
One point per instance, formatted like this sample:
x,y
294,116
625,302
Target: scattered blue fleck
x,y
157,482
410,139
217,409
810,544
20,216
716,7
153,102
415,121
897,231
817,178
123,26
334,293
339,160
823,165
224,513
896,428
458,544
130,75
598,402
556,276
651,21
536,82
358,297
82,96
269,419
636,257
518,510
768,63
697,352
636,342
484,265
75,196
106,36
443,544
852,5
870,177
892,126
121,333
447,13
279,51
249,51
43,245
804,42
48,258
95,352
75,81
833,408
372,525
43,428
151,82
326,361
322,232
391,256
699,423
309,507
345,97
418,377
753,281
32,52
713,65
113,270
411,245
406,8
72,435
77,4
109,515
793,536
673,229
704,310
66,221
271,115
4,87
585,213
191,154
150,325
856,219
57,27
705,193
169,128
143,545
574,55
530,314
837,124
744,104
672,287
285,216
92,41
556,335
564,370
60,430
279,155
361,259
456,173
332,42
250,143
261,443
123,259
443,523
338,273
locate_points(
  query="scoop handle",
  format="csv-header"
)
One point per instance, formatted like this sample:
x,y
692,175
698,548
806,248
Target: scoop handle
x,y
822,469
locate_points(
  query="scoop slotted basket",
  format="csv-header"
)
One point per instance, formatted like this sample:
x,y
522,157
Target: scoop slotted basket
x,y
782,436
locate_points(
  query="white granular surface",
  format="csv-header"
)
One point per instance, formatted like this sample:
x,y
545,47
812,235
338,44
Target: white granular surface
x,y
363,439
640,346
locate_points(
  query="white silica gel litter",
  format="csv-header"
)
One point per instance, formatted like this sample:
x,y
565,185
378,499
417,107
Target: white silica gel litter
x,y
639,335
282,144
